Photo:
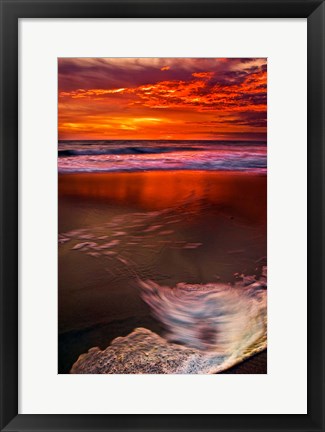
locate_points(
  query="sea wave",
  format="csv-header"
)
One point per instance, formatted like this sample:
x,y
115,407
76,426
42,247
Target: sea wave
x,y
122,151
212,317
157,155
205,160
209,327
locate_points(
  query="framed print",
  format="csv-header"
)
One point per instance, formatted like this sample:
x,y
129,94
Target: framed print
x,y
162,215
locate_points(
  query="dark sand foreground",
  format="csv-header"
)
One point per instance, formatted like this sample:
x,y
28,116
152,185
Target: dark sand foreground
x,y
225,212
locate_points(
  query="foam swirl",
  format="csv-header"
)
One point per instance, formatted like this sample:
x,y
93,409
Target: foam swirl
x,y
209,329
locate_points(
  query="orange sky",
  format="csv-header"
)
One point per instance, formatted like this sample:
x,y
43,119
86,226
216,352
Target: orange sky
x,y
159,98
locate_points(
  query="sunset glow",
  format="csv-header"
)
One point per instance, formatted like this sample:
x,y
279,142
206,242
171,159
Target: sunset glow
x,y
161,98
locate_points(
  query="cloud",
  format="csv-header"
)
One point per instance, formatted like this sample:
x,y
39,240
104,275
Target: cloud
x,y
108,73
238,91
195,95
256,119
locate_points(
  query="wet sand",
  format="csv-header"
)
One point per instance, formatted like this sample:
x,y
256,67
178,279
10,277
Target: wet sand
x,y
98,298
243,194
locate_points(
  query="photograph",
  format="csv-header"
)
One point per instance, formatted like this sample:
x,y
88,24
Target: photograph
x,y
162,215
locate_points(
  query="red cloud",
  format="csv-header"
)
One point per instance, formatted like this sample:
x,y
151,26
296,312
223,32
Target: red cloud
x,y
234,100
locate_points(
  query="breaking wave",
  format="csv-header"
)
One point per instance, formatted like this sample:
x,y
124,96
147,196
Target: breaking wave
x,y
119,156
214,317
209,328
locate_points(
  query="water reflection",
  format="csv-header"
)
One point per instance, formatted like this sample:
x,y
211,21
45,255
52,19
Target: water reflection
x,y
242,195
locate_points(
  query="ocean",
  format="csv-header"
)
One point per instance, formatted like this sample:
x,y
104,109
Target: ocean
x,y
119,156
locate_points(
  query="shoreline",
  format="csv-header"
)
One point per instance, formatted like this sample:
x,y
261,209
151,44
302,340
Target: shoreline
x,y
232,201
162,171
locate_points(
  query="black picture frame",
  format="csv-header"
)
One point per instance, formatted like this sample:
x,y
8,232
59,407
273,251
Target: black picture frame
x,y
11,12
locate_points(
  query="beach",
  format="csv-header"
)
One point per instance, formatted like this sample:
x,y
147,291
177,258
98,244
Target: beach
x,y
162,215
192,226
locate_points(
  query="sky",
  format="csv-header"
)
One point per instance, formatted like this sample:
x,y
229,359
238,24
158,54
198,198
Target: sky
x,y
162,98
